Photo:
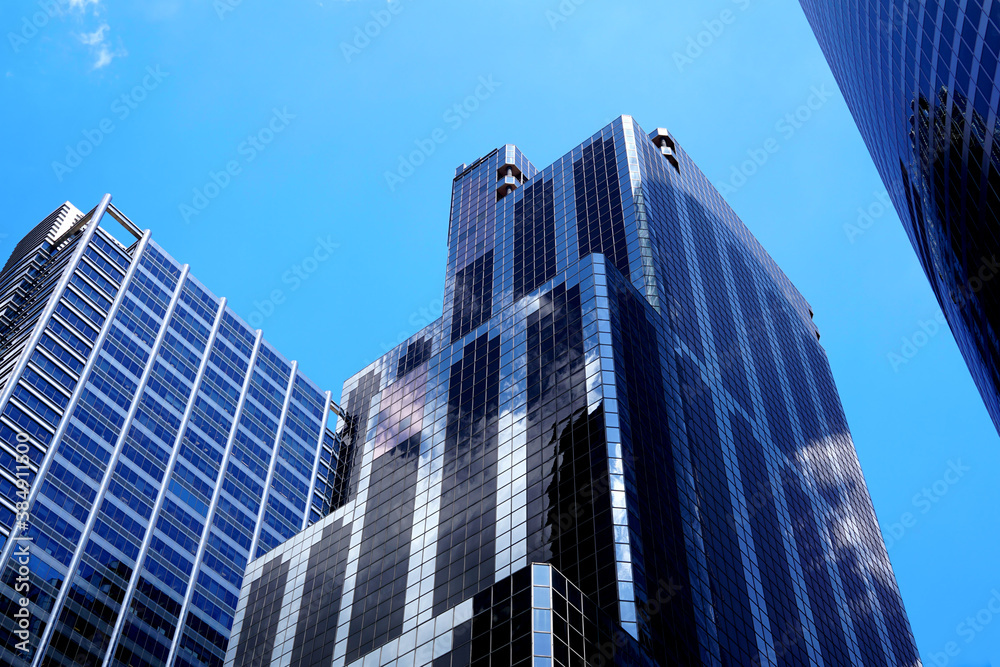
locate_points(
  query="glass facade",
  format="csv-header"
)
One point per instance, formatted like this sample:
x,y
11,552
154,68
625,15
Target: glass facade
x,y
159,442
922,82
621,444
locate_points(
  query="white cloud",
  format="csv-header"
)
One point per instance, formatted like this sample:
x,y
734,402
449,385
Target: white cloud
x,y
82,4
94,38
104,57
102,50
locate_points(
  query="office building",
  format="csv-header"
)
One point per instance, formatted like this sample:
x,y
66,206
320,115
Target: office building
x,y
921,80
621,444
159,442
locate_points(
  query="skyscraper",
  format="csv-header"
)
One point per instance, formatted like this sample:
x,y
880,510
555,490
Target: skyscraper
x,y
621,444
151,444
921,80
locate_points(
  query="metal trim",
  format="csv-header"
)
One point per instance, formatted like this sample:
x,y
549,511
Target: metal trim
x,y
32,343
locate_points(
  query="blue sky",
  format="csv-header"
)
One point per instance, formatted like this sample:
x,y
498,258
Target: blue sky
x,y
254,138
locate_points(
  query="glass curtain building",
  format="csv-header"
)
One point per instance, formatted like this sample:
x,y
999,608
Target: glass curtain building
x,y
161,445
922,82
621,444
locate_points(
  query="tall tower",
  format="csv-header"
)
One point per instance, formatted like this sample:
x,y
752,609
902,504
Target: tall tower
x,y
151,444
621,444
921,80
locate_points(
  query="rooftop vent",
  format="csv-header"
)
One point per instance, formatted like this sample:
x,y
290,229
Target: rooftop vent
x,y
509,178
665,142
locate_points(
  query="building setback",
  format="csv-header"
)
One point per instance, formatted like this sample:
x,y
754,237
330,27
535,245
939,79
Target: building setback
x,y
921,80
621,444
162,445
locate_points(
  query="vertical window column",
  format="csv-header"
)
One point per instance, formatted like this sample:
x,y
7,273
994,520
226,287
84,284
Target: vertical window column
x,y
319,451
274,459
171,464
109,471
215,496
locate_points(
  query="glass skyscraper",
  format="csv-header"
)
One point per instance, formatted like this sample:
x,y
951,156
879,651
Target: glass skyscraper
x,y
621,444
151,444
922,82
